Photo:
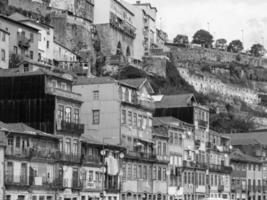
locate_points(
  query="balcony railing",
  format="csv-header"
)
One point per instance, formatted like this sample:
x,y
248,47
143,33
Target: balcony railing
x,y
112,185
65,157
91,159
142,155
116,60
24,42
202,123
31,153
16,180
64,93
37,181
122,25
70,127
220,188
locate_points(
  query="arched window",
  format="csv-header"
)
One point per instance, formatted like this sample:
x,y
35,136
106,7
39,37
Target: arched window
x,y
128,52
119,50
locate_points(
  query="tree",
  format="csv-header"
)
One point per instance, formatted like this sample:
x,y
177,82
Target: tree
x,y
204,38
257,50
221,44
181,39
235,46
14,60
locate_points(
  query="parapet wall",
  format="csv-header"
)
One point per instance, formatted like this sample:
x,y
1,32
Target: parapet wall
x,y
198,53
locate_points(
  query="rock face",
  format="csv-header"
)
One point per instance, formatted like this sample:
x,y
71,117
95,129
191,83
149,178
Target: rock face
x,y
155,65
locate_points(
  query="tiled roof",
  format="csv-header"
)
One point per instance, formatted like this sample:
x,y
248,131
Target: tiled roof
x,y
175,101
157,121
18,23
24,129
248,138
96,80
135,82
237,155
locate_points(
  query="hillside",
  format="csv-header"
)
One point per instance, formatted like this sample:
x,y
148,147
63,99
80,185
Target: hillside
x,y
226,117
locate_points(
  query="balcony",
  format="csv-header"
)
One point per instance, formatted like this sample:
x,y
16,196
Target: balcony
x,y
80,68
122,26
90,185
65,157
91,159
2,139
112,185
64,94
70,127
220,188
117,60
18,152
11,180
202,123
142,155
43,182
23,42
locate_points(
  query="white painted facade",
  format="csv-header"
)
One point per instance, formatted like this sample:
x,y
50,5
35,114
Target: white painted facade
x,y
62,53
45,42
4,49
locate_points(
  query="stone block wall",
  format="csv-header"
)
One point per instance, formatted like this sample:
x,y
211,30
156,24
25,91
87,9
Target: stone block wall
x,y
198,53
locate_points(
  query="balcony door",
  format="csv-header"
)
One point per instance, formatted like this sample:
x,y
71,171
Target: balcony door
x,y
23,172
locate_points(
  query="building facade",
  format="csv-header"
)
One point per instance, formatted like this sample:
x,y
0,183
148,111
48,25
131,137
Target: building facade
x,y
114,24
4,51
23,39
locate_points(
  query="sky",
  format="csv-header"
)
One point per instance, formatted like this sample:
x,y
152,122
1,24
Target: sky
x,y
230,19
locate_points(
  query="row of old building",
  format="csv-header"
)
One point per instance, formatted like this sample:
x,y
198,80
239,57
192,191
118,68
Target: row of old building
x,y
64,137
123,32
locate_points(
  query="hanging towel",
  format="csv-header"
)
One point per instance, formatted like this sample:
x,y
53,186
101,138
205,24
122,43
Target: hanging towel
x,y
112,166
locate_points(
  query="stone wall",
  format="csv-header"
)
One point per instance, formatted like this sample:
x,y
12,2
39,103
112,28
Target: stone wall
x,y
109,39
198,53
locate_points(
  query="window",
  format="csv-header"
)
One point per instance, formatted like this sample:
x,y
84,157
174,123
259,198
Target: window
x,y
145,172
10,141
75,147
139,121
31,54
123,116
129,170
134,171
41,198
18,141
130,117
68,114
164,149
47,44
159,173
76,116
34,197
135,119
159,148
127,95
154,173
31,37
63,86
139,171
96,116
67,147
185,177
164,174
96,95
15,49
3,55
91,176
60,112
22,197
3,37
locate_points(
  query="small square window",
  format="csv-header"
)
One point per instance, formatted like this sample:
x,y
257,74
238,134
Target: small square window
x,y
96,116
96,95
